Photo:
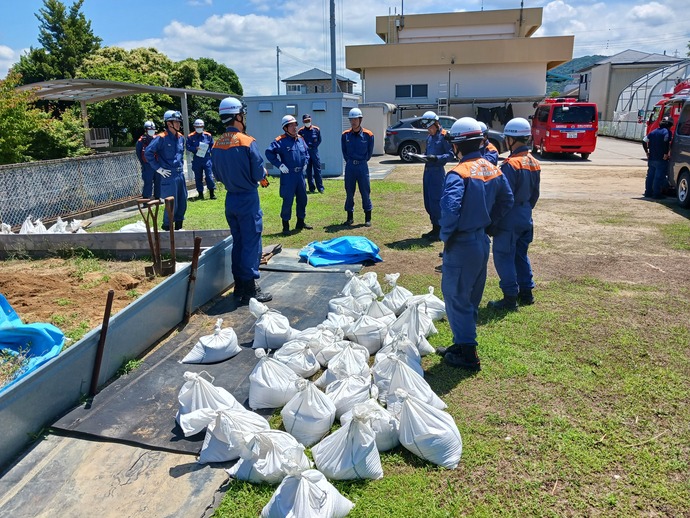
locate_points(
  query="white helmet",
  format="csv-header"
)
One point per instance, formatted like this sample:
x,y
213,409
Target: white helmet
x,y
288,119
429,119
465,130
149,125
355,113
229,107
517,127
198,123
485,130
172,115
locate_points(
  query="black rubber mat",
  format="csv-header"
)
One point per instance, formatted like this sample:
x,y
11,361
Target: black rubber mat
x,y
140,408
288,260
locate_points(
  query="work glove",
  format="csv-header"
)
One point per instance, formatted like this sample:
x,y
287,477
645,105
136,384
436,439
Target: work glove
x,y
165,173
284,169
432,158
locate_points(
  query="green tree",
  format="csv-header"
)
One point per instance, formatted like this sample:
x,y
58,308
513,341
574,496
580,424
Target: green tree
x,y
66,38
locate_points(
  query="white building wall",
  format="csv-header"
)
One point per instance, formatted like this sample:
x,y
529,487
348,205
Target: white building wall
x,y
459,33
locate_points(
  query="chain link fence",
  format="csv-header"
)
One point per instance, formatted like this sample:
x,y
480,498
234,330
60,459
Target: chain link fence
x,y
53,188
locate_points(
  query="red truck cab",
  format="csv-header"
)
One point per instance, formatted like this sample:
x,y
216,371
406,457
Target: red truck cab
x,y
565,125
670,105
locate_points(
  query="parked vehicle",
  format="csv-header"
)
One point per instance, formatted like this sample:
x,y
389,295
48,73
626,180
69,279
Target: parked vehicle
x,y
669,105
564,125
679,164
407,136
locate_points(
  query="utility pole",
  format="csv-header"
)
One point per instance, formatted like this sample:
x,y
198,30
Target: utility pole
x,y
334,82
277,70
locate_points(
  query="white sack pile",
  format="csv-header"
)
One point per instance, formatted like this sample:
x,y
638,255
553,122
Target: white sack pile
x,y
219,346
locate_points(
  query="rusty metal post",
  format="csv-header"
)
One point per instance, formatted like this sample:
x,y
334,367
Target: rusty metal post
x,y
192,279
101,344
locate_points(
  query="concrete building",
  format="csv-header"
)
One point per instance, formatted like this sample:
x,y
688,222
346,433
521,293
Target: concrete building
x,y
603,82
316,81
455,63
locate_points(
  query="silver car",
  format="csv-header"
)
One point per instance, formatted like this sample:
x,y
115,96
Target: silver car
x,y
407,136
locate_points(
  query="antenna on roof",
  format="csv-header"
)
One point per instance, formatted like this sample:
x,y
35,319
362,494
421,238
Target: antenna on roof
x,y
522,5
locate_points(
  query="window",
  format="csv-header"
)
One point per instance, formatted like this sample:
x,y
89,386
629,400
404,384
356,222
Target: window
x,y
684,122
295,89
574,114
543,114
410,91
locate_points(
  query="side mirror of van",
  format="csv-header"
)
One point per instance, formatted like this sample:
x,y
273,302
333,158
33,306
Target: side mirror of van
x,y
531,117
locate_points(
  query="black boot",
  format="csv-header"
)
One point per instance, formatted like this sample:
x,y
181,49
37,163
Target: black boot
x,y
525,298
178,225
252,290
434,234
201,195
367,218
507,303
467,360
286,227
239,290
302,225
350,218
455,349
212,194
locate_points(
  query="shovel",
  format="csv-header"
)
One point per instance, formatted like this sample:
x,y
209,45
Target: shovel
x,y
168,266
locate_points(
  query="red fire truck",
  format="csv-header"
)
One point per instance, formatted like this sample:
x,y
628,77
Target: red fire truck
x,y
564,125
669,105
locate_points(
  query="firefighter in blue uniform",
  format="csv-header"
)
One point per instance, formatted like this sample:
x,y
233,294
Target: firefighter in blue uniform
x,y
438,153
289,153
488,150
514,232
657,147
200,143
475,195
312,136
165,153
357,145
148,174
237,162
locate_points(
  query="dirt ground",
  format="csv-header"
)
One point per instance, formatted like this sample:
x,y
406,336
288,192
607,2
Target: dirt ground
x,y
590,221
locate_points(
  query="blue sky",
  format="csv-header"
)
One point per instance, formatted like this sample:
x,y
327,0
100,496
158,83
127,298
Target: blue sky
x,y
244,34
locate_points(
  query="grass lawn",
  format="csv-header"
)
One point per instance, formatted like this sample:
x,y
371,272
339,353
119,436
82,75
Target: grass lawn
x,y
581,407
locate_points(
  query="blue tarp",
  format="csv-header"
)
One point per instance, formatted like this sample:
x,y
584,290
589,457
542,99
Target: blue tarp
x,y
340,250
38,342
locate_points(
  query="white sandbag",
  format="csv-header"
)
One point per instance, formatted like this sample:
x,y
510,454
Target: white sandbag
x,y
39,227
403,345
424,347
320,337
404,377
27,227
272,329
428,432
370,279
198,393
430,304
137,226
413,322
337,320
347,392
271,383
218,445
350,452
382,422
383,370
350,361
380,311
367,331
298,355
5,228
325,355
347,305
76,225
309,415
357,289
59,227
396,299
219,346
306,494
265,455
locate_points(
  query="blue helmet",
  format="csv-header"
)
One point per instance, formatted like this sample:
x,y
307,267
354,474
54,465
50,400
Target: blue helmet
x,y
149,125
172,115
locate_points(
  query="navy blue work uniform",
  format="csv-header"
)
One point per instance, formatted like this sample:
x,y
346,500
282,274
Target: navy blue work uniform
x,y
237,162
514,232
658,145
152,184
312,136
166,150
490,152
201,165
435,174
475,194
291,151
357,150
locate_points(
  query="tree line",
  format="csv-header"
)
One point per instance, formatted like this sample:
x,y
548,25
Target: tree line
x,y
40,130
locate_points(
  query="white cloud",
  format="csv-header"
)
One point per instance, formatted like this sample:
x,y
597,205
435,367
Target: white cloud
x,y
653,14
8,57
200,2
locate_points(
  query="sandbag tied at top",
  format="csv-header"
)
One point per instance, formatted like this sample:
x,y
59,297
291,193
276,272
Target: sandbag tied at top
x,y
350,361
299,356
350,452
337,320
404,377
309,415
218,444
384,369
371,281
271,383
346,305
384,424
347,392
380,311
357,289
396,299
428,432
264,456
320,336
430,304
401,345
219,346
272,329
198,393
325,355
306,494
416,325
367,331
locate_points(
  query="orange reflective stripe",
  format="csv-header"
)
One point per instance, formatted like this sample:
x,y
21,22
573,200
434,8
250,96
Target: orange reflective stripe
x,y
524,161
478,169
232,139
